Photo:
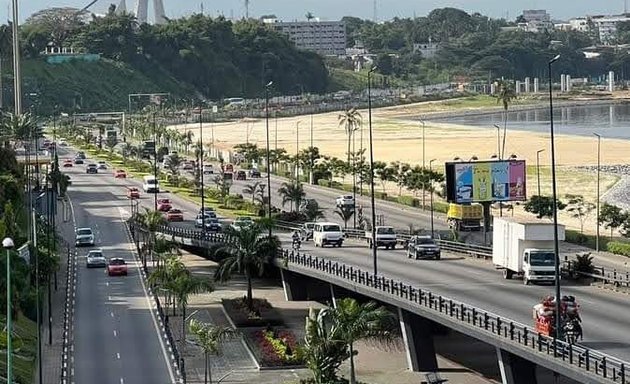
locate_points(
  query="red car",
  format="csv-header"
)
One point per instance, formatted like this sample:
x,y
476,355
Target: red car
x,y
164,205
133,193
174,215
120,174
117,267
67,163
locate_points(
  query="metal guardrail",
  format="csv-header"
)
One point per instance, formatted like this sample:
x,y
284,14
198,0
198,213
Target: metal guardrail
x,y
68,315
611,277
583,359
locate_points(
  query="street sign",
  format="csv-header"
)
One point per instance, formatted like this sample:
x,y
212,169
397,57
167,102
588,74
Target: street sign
x,y
25,253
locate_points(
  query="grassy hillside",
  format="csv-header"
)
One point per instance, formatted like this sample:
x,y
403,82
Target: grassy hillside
x,y
92,86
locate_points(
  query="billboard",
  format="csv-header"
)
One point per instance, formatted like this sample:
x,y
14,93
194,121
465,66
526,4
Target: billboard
x,y
486,181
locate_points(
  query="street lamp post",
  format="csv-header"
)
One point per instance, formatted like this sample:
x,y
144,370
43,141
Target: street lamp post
x,y
555,207
8,244
310,178
431,199
155,162
297,152
599,153
269,150
498,141
423,164
538,168
203,203
374,251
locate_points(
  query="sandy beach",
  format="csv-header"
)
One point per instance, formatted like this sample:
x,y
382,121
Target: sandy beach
x,y
398,138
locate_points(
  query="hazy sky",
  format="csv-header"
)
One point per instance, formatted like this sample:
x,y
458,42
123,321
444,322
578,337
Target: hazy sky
x,y
335,9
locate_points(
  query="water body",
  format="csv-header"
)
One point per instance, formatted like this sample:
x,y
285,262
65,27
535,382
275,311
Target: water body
x,y
609,120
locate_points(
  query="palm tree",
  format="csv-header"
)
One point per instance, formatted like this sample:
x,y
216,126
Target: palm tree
x,y
188,140
152,221
351,121
164,276
292,192
309,16
16,127
507,94
252,189
184,285
345,213
324,348
247,252
173,164
209,338
357,321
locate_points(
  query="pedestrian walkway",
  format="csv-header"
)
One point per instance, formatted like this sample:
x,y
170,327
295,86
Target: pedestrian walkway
x,y
52,340
374,363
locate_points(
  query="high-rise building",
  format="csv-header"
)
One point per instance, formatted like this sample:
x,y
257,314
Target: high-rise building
x,y
327,38
607,26
142,10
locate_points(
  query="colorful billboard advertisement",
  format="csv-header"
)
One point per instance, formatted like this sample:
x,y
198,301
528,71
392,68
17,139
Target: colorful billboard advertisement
x,y
485,181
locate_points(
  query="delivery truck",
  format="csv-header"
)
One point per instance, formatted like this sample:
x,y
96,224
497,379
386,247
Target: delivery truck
x,y
465,217
525,248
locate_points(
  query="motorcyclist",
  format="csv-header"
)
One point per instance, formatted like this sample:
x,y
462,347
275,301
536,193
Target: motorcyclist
x,y
296,238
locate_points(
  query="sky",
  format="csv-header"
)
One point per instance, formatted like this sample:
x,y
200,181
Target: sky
x,y
289,10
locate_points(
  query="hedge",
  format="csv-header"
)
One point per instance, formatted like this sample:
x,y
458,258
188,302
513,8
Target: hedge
x,y
409,200
618,248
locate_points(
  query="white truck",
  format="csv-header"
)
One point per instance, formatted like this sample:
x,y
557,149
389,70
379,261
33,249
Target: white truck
x,y
385,237
525,248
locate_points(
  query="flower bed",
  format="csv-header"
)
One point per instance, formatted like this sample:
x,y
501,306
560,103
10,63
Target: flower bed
x,y
263,314
274,347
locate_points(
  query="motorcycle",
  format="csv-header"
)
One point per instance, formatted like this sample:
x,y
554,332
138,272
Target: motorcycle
x,y
296,244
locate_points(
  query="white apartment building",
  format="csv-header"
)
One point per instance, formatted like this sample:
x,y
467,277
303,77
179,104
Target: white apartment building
x,y
327,38
607,26
536,20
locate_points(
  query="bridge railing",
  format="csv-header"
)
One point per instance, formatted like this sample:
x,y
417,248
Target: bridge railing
x,y
583,359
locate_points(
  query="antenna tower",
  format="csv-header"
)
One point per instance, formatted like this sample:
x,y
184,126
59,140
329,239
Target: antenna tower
x,y
247,9
375,13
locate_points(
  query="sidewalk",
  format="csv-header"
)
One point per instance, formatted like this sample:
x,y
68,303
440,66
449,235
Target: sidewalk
x,y
374,364
52,353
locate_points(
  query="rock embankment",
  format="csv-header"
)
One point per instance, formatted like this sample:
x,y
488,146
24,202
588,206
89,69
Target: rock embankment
x,y
619,194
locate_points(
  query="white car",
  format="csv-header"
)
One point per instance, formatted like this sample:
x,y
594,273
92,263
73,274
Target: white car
x,y
84,237
208,169
327,233
63,143
102,165
241,222
96,259
345,201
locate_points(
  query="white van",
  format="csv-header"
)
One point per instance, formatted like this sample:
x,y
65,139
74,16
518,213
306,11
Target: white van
x,y
327,233
150,184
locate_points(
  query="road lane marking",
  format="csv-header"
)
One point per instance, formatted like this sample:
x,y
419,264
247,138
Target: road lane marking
x,y
115,333
169,365
111,314
122,381
118,355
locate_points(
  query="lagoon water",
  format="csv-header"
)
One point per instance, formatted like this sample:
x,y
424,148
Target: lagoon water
x,y
608,120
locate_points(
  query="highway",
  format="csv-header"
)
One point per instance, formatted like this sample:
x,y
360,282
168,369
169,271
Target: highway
x,y
116,336
606,319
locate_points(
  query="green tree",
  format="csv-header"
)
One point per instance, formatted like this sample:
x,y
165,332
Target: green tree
x,y
384,173
506,96
110,143
253,189
293,193
247,252
351,121
357,321
173,162
210,337
612,217
184,285
324,348
579,209
311,210
345,213
151,220
542,206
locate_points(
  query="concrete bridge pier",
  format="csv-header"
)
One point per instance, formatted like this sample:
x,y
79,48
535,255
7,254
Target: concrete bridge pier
x,y
417,335
514,369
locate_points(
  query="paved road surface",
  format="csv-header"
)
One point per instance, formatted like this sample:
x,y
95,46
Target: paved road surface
x,y
116,339
476,282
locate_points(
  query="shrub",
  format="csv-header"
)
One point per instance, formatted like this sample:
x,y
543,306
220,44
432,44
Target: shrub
x,y
409,200
440,207
263,313
618,248
584,263
292,217
380,195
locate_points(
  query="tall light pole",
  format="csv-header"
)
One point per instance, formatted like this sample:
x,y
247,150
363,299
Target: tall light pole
x,y
17,77
269,150
538,168
555,206
8,244
310,178
203,203
423,164
431,199
498,141
374,252
599,153
155,161
297,152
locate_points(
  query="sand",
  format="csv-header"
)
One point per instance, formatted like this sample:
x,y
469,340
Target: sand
x,y
398,137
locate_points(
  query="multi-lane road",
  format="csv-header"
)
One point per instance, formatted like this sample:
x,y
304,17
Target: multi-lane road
x,y
476,282
116,338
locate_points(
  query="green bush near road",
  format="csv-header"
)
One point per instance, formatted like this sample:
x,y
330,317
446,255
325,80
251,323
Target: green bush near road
x,y
618,248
